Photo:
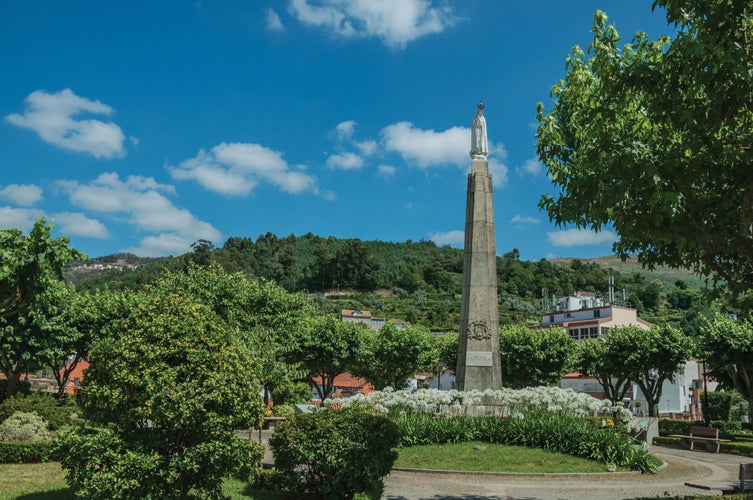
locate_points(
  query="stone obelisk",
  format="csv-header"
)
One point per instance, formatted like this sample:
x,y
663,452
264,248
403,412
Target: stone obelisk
x,y
478,350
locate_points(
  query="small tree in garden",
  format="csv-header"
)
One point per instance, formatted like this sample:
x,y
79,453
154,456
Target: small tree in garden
x,y
601,359
397,353
170,385
334,454
326,348
534,357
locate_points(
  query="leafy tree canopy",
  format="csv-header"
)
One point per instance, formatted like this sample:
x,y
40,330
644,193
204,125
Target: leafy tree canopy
x,y
534,357
654,137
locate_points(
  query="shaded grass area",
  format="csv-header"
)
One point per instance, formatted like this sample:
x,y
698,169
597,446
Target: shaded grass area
x,y
489,457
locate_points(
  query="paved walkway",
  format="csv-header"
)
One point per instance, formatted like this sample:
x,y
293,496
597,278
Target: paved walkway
x,y
682,466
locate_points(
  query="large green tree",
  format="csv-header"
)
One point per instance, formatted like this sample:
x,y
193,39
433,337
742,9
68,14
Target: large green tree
x,y
655,137
601,359
651,357
169,385
727,348
28,265
534,357
396,353
326,348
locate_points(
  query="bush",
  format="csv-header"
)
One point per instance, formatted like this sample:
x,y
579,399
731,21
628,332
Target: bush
x,y
548,431
290,393
23,388
727,426
739,448
57,413
334,453
718,405
668,426
24,427
31,452
283,411
101,464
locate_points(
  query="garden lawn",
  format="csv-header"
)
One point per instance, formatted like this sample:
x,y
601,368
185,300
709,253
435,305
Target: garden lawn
x,y
492,458
44,481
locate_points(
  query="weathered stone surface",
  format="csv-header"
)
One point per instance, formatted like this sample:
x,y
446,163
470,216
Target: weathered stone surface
x,y
478,351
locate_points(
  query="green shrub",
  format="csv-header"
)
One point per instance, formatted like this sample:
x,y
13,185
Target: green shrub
x,y
737,448
30,452
548,431
286,411
666,441
22,388
290,393
727,426
100,464
23,426
718,404
334,453
56,413
667,426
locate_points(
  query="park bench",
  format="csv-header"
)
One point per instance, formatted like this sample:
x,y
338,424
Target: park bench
x,y
745,482
709,436
746,477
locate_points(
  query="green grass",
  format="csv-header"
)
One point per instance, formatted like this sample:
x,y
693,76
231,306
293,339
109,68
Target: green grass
x,y
492,458
33,482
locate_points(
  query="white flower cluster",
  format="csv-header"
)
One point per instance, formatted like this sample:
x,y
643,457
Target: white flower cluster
x,y
505,402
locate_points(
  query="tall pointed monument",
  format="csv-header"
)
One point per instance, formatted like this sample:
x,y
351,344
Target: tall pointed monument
x,y
479,364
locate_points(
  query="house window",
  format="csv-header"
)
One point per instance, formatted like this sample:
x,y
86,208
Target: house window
x,y
597,313
573,333
593,332
604,330
584,333
569,315
551,318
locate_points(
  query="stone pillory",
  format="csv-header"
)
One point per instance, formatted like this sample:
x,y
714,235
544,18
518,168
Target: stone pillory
x,y
478,350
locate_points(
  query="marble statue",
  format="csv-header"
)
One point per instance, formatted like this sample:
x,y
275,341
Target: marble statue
x,y
479,145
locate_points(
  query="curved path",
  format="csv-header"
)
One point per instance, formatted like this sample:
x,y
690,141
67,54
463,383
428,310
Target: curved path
x,y
694,466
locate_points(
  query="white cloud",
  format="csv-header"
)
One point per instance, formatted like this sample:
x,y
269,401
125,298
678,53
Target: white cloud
x,y
386,170
21,194
427,148
237,168
345,161
395,22
52,117
367,148
532,166
78,224
580,237
273,21
344,130
453,238
143,202
520,220
19,218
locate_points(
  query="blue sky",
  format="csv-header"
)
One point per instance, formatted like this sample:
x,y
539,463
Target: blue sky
x,y
145,126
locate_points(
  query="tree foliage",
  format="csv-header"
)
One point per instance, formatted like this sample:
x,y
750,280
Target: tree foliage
x,y
601,359
171,384
28,265
396,353
727,348
654,137
326,348
534,357
651,357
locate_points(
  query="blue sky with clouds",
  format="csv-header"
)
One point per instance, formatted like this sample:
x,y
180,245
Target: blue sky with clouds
x,y
145,126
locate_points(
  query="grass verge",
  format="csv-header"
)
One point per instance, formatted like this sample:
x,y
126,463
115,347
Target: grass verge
x,y
488,457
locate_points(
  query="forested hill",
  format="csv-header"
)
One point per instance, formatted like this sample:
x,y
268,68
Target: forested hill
x,y
417,281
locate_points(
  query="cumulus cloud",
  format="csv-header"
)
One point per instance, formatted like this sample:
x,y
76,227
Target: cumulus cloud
x,y
19,218
21,194
524,221
580,237
55,118
273,21
386,170
345,161
427,148
395,22
344,130
142,201
532,166
453,238
78,224
237,168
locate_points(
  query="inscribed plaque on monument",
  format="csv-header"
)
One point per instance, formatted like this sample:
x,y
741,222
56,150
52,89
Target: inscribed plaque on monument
x,y
478,358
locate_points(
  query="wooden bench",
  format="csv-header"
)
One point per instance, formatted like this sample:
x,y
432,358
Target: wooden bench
x,y
709,436
745,482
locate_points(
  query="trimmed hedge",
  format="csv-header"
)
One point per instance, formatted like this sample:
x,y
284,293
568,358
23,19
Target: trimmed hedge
x,y
56,413
667,426
28,452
